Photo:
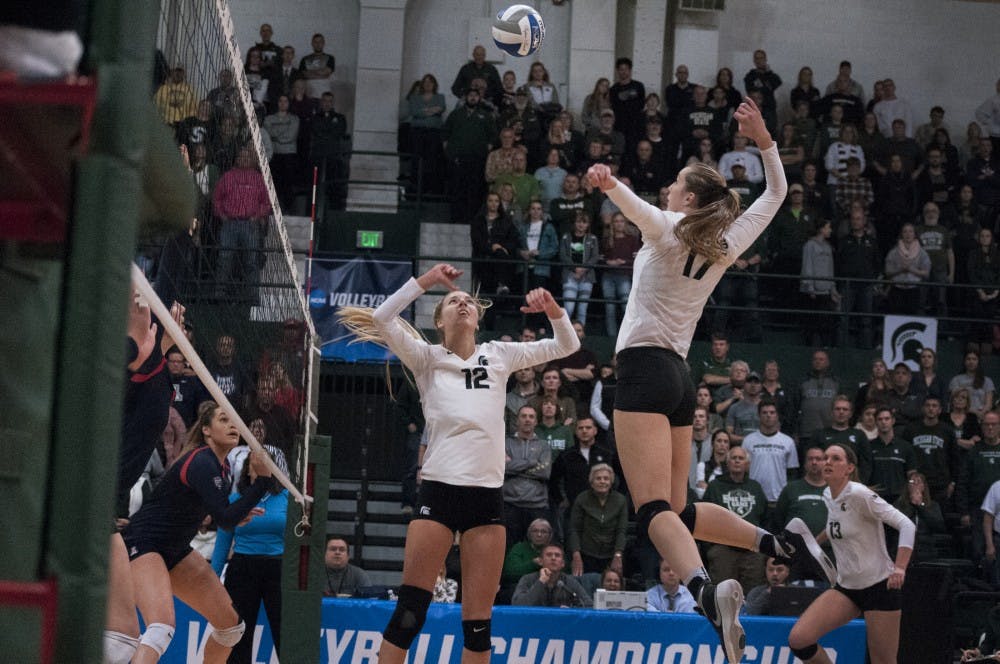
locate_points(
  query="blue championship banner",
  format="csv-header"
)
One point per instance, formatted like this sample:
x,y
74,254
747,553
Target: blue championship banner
x,y
352,633
354,282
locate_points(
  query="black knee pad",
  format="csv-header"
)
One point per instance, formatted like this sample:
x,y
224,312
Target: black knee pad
x,y
645,514
806,653
688,515
477,635
408,618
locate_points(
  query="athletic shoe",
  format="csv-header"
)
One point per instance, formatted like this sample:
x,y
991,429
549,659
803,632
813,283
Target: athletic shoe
x,y
798,544
721,605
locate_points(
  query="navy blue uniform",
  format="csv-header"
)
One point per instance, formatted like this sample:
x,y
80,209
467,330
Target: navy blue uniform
x,y
145,408
196,485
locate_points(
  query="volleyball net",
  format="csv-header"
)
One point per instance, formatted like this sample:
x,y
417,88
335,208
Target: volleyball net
x,y
234,269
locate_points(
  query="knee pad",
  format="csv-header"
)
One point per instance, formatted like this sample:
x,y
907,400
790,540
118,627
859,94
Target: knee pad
x,y
477,635
688,515
806,653
408,618
118,647
157,636
229,637
645,514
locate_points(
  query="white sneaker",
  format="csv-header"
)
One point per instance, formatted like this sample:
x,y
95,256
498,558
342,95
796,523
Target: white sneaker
x,y
806,547
721,605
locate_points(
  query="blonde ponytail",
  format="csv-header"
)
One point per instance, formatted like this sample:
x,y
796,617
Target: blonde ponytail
x,y
702,229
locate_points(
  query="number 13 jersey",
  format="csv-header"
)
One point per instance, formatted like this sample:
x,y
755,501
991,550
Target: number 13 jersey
x,y
463,399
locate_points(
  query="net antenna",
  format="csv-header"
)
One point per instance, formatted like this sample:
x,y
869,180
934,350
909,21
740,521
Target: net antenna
x,y
180,339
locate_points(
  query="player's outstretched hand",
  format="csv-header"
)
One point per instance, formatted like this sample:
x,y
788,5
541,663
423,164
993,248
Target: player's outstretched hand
x,y
142,332
599,175
752,123
441,274
539,300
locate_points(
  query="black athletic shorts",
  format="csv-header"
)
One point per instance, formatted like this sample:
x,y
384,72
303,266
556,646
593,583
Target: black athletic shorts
x,y
655,380
136,546
877,597
460,508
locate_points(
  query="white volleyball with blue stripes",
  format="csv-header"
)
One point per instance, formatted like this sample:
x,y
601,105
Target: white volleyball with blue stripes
x,y
518,30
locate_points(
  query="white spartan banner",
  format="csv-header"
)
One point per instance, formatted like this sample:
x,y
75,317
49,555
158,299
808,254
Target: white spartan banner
x,y
904,336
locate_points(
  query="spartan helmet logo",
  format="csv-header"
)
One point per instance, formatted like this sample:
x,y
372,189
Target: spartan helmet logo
x,y
906,342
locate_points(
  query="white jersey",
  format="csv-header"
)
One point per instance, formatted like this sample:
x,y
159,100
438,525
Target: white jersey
x,y
670,284
770,458
991,505
854,527
464,399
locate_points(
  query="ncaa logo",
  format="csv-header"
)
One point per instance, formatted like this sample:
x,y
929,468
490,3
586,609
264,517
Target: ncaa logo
x,y
425,511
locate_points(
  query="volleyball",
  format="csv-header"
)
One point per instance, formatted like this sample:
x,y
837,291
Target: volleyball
x,y
518,30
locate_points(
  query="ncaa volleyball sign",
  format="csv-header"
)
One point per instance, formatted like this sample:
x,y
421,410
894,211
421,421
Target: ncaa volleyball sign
x,y
518,30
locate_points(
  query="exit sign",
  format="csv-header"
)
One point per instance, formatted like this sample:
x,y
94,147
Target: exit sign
x,y
369,240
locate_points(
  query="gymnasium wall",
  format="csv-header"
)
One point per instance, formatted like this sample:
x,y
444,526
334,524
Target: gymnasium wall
x,y
938,51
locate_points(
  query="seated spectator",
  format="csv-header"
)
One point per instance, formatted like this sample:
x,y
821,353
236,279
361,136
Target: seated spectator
x,y
984,270
620,248
805,91
259,80
526,187
740,155
189,392
645,173
524,389
714,371
538,246
695,121
508,89
829,130
602,401
841,157
526,476
980,387
906,265
283,128
596,102
175,99
791,151
558,138
815,196
758,599
229,373
748,191
661,149
552,386
571,471
840,432
494,236
544,95
197,129
876,388
550,177
611,580
510,205
891,108
564,207
501,161
905,147
552,429
317,68
866,423
742,417
445,589
280,424
524,557
522,118
342,578
844,75
937,453
775,460
705,154
786,236
982,172
815,397
842,96
918,506
732,391
579,252
478,67
937,182
782,398
819,290
936,241
980,471
893,459
608,134
595,536
904,401
701,444
549,586
225,97
928,381
670,596
715,467
872,142
924,134
578,369
736,492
